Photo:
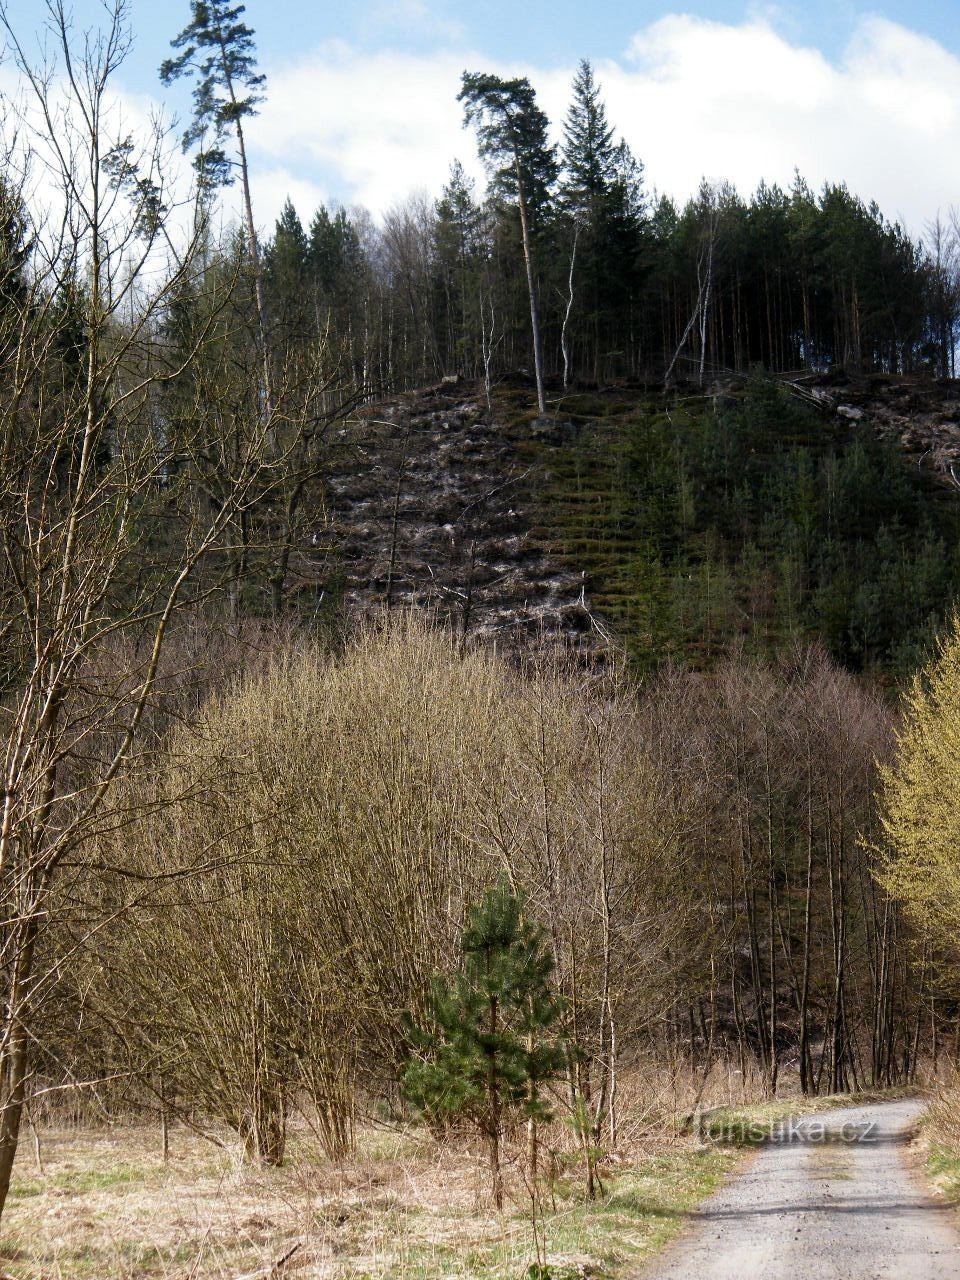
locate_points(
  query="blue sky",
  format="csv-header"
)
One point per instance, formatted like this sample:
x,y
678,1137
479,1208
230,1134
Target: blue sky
x,y
361,100
555,33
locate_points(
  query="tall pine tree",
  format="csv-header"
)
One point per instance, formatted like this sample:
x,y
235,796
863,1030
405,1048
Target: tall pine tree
x,y
286,274
512,141
459,252
216,48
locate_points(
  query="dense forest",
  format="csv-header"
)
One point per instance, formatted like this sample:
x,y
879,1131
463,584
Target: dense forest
x,y
758,522
252,844
626,283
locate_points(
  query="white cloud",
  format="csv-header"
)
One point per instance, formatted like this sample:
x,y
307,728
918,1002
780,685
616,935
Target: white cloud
x,y
371,127
744,103
271,187
46,155
415,17
693,97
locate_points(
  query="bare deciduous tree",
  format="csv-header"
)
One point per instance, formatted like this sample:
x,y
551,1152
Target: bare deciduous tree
x,y
101,529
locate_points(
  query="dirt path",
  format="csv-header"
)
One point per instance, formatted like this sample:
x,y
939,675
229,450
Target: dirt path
x,y
831,1199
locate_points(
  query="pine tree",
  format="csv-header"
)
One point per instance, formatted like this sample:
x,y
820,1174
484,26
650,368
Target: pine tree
x,y
218,49
16,246
459,251
512,141
285,272
333,252
494,1041
628,199
339,278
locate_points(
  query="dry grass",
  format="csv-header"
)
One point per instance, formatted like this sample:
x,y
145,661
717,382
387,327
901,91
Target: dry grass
x,y
939,1140
405,1207
107,1206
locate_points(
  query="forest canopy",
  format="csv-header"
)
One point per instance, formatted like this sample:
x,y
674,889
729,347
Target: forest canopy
x,y
627,283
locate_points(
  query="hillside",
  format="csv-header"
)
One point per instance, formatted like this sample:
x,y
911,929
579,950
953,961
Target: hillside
x,y
433,503
681,524
473,941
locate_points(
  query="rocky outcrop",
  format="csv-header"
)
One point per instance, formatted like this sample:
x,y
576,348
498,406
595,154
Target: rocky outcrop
x,y
430,506
922,415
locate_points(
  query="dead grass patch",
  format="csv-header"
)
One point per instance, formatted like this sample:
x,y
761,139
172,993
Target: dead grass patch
x,y
107,1206
404,1207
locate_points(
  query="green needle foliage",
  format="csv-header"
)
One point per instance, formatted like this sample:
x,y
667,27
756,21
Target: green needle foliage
x,y
512,138
217,48
495,1037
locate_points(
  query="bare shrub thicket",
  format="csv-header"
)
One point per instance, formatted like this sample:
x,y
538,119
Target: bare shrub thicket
x,y
315,834
798,963
318,835
108,532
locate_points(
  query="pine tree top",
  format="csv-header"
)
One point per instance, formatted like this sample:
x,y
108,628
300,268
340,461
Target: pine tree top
x,y
511,136
218,49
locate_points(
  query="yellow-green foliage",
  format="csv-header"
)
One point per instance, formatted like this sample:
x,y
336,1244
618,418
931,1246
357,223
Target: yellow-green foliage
x,y
921,800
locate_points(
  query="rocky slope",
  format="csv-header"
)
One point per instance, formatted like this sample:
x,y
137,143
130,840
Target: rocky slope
x,y
430,505
922,415
432,501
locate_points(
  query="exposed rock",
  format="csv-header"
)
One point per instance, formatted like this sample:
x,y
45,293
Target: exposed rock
x,y
551,429
430,507
918,414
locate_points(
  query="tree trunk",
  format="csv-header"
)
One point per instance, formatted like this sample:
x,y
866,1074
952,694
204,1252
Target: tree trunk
x,y
564,340
806,1073
532,290
254,250
264,1133
13,1077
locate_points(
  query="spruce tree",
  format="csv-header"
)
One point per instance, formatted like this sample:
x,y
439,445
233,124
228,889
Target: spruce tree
x,y
589,154
601,193
494,1040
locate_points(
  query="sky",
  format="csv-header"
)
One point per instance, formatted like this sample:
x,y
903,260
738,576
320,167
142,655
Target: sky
x,y
361,97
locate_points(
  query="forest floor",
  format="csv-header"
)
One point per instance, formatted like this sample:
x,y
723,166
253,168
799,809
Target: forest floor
x,y
107,1205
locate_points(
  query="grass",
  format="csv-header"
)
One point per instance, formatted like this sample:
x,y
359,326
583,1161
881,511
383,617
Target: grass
x,y
638,1210
77,1182
943,1166
935,1150
939,1140
404,1207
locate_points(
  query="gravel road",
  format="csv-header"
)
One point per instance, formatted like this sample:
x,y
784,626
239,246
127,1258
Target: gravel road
x,y
831,1199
